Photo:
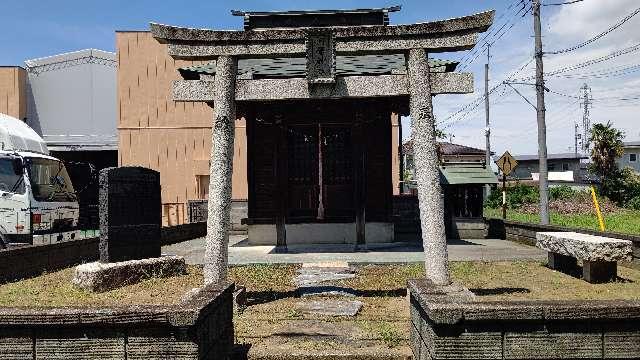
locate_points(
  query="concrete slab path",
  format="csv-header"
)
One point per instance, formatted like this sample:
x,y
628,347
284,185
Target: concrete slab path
x,y
459,250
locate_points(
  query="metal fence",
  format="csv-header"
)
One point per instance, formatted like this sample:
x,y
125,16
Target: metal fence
x,y
197,210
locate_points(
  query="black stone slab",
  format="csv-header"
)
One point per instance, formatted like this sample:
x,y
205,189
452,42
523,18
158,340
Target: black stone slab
x,y
130,214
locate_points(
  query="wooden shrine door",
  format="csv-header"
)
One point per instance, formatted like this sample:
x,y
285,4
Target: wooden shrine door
x,y
320,172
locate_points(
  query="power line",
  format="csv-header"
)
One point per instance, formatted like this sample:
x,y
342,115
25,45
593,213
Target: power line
x,y
493,36
467,55
597,37
604,73
587,63
563,3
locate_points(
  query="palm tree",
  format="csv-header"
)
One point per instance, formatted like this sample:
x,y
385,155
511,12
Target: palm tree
x,y
607,147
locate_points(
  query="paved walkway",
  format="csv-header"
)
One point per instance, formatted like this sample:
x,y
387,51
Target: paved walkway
x,y
459,250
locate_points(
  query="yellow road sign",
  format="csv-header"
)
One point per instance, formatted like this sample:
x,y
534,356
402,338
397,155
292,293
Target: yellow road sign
x,y
506,163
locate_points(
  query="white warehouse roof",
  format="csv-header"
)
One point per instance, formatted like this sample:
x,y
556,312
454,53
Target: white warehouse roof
x,y
70,56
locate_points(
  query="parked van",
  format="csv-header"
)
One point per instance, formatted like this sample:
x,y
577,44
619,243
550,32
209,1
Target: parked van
x,y
37,201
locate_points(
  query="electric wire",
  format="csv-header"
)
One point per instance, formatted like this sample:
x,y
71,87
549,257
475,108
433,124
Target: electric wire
x,y
597,37
563,3
492,36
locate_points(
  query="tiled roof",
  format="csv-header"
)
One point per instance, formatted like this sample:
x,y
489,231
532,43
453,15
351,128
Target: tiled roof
x,y
446,148
297,67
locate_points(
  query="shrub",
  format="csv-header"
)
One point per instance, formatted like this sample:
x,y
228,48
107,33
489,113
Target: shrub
x,y
634,204
516,196
562,192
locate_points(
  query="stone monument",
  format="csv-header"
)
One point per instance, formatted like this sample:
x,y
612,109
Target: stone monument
x,y
130,221
130,214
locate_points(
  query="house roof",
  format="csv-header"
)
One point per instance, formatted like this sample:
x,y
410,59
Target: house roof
x,y
468,173
297,67
632,144
446,148
558,156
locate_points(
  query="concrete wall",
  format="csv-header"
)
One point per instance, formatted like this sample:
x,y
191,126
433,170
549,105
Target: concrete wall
x,y
447,324
173,138
525,168
28,261
625,161
321,233
200,328
13,91
526,233
72,100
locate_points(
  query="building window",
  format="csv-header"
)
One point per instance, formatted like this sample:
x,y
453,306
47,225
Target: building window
x,y
551,167
633,157
202,184
565,167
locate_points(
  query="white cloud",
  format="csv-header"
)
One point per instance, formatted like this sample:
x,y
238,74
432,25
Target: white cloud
x,y
514,121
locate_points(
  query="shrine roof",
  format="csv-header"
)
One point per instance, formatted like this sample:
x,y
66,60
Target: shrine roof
x,y
462,25
314,18
296,67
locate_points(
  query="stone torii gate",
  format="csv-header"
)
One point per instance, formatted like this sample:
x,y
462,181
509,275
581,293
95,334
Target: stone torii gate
x,y
320,45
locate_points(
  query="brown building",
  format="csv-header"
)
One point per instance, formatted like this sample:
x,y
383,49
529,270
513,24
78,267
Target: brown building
x,y
174,138
13,91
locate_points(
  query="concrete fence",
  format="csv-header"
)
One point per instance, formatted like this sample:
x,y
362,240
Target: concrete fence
x,y
33,260
526,233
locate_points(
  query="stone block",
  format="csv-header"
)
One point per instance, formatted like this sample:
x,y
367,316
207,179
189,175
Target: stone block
x,y
562,263
585,246
597,272
159,344
100,277
622,345
81,344
130,214
330,307
545,345
16,345
463,345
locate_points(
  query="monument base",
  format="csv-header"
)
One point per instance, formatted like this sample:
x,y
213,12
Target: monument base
x,y
99,277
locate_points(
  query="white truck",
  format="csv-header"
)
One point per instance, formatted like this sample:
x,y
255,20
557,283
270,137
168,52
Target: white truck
x,y
37,201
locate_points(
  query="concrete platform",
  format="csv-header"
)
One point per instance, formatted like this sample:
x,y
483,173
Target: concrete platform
x,y
459,250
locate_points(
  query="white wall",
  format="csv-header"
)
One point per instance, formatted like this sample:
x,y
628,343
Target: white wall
x,y
74,104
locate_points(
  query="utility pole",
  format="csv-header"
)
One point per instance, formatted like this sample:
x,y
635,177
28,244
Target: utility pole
x,y
587,101
540,108
575,138
487,130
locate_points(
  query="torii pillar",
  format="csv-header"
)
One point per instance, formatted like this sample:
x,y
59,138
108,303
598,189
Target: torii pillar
x,y
220,171
430,197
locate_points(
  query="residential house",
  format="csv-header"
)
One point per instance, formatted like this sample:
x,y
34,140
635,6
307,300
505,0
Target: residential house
x,y
631,156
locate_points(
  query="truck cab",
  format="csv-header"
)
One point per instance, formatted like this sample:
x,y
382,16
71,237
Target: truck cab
x,y
38,203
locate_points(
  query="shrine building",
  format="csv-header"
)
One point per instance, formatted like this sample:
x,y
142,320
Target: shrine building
x,y
318,94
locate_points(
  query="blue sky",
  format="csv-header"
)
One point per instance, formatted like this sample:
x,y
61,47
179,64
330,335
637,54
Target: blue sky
x,y
40,28
43,27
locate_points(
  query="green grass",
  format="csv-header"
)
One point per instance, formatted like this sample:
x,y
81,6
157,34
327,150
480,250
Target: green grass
x,y
623,221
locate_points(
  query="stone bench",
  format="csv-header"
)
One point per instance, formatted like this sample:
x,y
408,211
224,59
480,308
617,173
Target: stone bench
x,y
599,255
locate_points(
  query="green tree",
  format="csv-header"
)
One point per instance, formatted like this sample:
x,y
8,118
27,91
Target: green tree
x,y
607,146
